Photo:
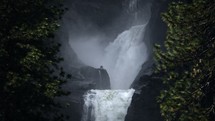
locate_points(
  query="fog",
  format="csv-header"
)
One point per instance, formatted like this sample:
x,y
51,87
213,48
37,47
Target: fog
x,y
119,49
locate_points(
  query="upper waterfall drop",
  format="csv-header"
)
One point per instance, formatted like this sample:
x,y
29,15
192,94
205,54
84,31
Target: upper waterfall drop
x,y
124,57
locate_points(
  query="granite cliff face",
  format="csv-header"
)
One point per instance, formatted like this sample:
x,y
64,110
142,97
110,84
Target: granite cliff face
x,y
144,106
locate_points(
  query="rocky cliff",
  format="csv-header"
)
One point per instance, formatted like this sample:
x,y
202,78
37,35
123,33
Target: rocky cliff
x,y
83,79
144,106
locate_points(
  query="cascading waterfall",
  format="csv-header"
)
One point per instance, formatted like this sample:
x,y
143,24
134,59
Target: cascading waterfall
x,y
121,55
122,59
106,105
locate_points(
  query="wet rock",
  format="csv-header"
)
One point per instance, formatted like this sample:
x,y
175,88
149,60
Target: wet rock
x,y
83,79
144,106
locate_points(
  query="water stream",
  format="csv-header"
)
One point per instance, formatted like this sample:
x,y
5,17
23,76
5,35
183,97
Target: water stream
x,y
106,105
122,58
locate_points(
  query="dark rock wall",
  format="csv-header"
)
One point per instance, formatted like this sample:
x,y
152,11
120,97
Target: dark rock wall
x,y
83,79
98,78
144,106
104,80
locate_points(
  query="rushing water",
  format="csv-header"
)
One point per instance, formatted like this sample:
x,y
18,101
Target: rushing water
x,y
106,105
124,57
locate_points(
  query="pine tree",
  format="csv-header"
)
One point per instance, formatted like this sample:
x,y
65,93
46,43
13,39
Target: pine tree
x,y
187,62
30,77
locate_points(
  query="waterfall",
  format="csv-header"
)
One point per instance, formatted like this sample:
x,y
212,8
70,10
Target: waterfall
x,y
124,57
106,105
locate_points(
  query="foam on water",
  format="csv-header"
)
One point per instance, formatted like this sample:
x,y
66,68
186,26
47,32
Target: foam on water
x,y
124,57
106,105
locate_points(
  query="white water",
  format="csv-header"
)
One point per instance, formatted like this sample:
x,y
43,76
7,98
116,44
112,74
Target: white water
x,y
124,57
106,105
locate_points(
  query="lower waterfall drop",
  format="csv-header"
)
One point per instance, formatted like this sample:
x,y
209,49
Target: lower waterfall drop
x,y
106,105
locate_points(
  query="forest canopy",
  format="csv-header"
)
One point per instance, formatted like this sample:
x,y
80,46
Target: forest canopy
x,y
187,64
30,77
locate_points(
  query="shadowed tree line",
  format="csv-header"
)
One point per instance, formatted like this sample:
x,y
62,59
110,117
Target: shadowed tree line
x,y
187,64
30,77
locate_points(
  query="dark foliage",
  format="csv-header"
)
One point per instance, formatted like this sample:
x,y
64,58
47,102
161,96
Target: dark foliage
x,y
28,60
187,64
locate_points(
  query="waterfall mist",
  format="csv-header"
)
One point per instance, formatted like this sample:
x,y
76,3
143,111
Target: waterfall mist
x,y
117,34
122,58
121,50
